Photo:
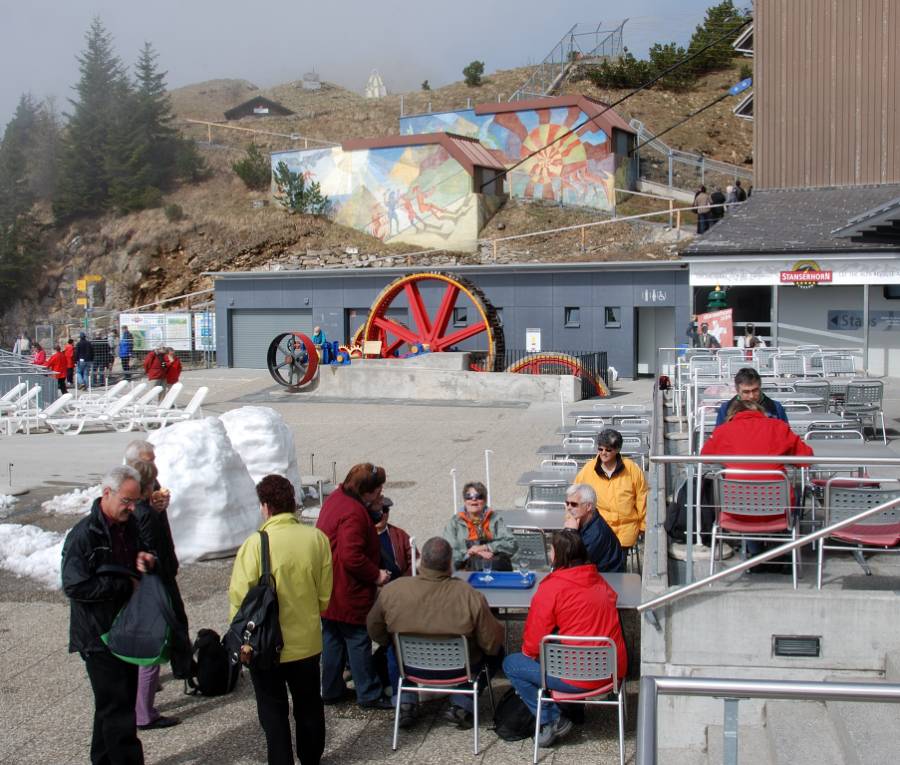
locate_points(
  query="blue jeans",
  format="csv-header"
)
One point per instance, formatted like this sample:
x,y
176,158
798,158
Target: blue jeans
x,y
341,643
525,675
83,370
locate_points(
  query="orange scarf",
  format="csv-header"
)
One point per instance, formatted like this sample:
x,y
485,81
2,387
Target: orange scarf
x,y
478,532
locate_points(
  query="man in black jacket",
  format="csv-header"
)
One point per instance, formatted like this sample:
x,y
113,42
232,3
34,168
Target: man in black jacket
x,y
601,542
102,560
84,356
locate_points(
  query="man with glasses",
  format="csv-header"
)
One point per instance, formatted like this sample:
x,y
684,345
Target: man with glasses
x,y
620,487
102,561
748,385
603,548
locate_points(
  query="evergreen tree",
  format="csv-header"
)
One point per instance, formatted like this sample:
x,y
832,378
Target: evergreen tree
x,y
83,187
153,112
19,256
718,21
15,194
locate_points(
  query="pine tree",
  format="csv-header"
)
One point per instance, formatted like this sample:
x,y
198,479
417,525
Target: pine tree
x,y
15,194
83,186
154,116
718,21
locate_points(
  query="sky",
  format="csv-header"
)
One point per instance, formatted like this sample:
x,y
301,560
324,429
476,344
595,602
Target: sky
x,y
407,42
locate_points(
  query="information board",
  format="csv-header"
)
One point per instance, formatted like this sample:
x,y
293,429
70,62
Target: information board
x,y
150,330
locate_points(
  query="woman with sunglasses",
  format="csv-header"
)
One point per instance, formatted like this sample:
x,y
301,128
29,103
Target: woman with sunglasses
x,y
477,533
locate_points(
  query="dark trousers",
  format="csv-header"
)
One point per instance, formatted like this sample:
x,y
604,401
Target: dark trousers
x,y
348,643
272,686
61,384
126,366
114,740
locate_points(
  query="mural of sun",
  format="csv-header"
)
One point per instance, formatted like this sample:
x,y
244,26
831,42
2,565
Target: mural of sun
x,y
558,160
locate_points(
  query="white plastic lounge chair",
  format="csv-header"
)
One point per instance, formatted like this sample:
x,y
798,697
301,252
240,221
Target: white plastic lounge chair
x,y
191,411
111,419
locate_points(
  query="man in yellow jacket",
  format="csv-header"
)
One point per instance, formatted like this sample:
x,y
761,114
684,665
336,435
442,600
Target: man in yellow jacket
x,y
301,564
620,486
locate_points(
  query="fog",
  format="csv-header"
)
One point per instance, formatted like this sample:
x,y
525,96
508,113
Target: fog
x,y
342,41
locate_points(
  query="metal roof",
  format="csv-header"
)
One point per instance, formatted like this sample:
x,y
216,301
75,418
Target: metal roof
x,y
467,151
624,265
590,106
880,224
794,221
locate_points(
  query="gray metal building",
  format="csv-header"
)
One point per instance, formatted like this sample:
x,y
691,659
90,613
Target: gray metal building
x,y
628,309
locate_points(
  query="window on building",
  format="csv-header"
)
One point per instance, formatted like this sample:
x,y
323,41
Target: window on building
x,y
612,316
461,317
573,316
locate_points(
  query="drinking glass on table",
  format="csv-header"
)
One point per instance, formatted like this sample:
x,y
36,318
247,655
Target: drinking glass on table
x,y
523,567
487,565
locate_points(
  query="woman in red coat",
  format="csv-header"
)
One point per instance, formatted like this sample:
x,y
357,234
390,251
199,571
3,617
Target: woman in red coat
x,y
173,368
59,364
356,557
574,599
39,356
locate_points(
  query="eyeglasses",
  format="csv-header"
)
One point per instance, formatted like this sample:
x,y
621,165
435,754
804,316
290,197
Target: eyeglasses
x,y
570,503
126,501
474,497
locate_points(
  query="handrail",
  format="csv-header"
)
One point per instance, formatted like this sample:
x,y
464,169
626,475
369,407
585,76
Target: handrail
x,y
674,595
652,686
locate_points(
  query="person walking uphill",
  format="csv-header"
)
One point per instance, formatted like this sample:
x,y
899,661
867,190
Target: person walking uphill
x,y
301,564
102,559
349,523
58,364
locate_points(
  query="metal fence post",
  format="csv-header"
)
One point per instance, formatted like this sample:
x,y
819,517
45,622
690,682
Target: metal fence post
x,y
730,733
670,169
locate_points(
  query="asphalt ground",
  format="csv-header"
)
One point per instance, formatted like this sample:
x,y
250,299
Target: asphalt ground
x,y
46,704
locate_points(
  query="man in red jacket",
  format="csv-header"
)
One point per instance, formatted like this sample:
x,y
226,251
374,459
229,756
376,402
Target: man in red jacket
x,y
155,366
348,521
69,352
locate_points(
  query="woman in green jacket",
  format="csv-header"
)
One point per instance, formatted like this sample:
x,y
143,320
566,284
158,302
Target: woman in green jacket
x,y
477,533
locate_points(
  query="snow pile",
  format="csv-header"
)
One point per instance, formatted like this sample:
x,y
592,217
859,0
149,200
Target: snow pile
x,y
31,551
213,507
7,501
77,502
264,441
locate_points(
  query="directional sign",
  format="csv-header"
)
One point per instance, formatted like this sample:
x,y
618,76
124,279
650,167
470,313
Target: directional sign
x,y
741,86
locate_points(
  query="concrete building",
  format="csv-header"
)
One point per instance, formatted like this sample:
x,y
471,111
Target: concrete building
x,y
627,309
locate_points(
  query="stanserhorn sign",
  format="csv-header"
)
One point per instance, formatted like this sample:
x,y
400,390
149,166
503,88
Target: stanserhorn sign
x,y
805,274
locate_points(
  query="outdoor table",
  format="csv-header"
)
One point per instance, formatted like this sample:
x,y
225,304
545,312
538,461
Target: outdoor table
x,y
607,416
627,587
545,476
800,421
573,451
546,520
856,452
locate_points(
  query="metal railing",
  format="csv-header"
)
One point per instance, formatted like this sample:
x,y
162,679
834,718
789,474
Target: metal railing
x,y
577,44
732,691
739,568
683,169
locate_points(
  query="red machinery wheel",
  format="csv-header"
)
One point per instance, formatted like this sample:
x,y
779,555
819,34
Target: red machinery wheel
x,y
292,359
432,330
558,364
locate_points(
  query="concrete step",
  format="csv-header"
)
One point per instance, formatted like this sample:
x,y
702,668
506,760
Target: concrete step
x,y
868,732
801,733
753,746
682,757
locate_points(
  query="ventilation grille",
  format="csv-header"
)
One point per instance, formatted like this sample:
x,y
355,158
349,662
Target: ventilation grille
x,y
798,646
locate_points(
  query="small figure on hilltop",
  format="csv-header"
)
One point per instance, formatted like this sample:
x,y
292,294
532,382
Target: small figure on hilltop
x,y
702,203
739,192
718,206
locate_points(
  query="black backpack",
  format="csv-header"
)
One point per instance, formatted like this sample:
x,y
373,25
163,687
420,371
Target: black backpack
x,y
676,512
513,721
212,674
254,637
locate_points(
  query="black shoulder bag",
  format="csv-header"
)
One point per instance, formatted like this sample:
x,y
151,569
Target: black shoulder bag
x,y
254,637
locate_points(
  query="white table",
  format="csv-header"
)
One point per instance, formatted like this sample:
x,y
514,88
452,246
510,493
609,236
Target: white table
x,y
546,520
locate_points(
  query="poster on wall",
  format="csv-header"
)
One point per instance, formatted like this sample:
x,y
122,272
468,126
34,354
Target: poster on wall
x,y
205,331
533,340
150,330
720,326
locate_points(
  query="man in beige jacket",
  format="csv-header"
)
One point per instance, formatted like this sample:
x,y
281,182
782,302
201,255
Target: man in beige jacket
x,y
434,603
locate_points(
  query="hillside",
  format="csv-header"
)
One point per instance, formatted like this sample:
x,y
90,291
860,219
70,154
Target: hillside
x,y
146,258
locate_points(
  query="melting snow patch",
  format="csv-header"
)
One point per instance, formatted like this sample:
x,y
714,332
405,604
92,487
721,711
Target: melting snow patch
x,y
31,551
76,502
214,506
264,441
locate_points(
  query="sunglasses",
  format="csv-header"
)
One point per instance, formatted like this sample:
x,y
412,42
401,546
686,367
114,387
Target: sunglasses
x,y
570,503
607,449
474,497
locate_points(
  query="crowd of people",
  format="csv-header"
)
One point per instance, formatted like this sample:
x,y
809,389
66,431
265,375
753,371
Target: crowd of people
x,y
342,588
90,362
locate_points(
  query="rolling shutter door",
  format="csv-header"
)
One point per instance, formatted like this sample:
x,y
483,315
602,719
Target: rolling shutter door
x,y
253,330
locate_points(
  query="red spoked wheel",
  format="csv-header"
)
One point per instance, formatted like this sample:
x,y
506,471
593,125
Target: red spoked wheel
x,y
292,359
558,364
433,330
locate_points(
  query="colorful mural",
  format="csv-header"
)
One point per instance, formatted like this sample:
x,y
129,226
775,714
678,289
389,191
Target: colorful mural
x,y
416,194
578,169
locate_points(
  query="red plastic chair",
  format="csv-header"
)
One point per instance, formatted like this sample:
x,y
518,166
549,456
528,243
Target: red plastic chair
x,y
589,659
